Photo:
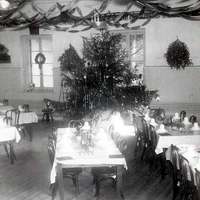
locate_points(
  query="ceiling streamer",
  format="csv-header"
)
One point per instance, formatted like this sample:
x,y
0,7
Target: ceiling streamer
x,y
71,18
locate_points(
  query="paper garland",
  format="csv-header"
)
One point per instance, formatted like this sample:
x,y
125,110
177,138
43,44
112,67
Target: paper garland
x,y
62,17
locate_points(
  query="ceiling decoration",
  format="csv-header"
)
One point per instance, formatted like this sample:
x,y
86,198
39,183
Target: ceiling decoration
x,y
71,18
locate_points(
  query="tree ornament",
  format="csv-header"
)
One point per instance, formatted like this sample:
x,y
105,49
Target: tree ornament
x,y
178,55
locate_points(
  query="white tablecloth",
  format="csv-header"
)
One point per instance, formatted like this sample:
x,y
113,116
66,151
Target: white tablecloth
x,y
28,118
166,141
104,153
4,109
9,134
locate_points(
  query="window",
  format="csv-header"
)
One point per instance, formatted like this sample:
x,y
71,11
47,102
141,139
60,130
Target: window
x,y
133,42
41,62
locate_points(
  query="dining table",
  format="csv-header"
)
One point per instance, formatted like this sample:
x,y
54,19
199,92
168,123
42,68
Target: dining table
x,y
71,153
187,141
177,136
8,136
5,108
27,119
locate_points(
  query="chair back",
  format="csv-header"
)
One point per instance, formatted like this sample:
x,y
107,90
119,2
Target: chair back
x,y
145,131
186,171
5,102
26,108
182,115
75,124
157,113
12,117
153,137
197,177
193,119
175,158
52,145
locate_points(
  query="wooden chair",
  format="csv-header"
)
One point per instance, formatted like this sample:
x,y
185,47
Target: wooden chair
x,y
26,107
48,111
158,114
5,102
193,119
197,178
119,140
71,173
182,115
141,137
150,155
187,186
75,124
175,164
145,137
101,174
11,119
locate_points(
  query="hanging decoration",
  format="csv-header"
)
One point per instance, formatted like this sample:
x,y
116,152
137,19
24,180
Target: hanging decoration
x,y
70,18
40,58
4,56
178,55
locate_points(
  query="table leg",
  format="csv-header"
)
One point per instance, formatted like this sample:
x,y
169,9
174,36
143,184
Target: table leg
x,y
120,181
163,163
12,154
60,181
6,149
29,130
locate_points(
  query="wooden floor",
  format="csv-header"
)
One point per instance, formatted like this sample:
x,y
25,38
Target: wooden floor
x,y
28,178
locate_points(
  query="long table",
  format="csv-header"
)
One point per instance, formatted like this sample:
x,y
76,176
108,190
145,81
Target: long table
x,y
4,109
69,153
28,118
177,137
9,135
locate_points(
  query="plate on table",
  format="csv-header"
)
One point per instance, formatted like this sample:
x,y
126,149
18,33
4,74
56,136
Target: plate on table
x,y
164,134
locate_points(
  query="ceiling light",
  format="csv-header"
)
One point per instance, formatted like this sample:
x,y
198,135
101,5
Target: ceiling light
x,y
4,4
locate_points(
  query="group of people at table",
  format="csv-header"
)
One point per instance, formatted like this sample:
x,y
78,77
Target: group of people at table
x,y
12,120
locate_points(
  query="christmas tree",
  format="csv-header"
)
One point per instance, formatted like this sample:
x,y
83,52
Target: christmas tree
x,y
103,78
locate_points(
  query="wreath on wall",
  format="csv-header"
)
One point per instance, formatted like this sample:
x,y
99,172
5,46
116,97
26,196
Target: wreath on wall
x,y
178,55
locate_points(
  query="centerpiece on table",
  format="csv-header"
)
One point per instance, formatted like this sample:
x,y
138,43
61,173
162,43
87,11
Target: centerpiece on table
x,y
86,135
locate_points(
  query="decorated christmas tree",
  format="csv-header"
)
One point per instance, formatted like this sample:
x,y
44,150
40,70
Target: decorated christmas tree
x,y
103,78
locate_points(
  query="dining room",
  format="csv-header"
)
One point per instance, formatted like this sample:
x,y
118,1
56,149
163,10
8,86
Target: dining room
x,y
99,99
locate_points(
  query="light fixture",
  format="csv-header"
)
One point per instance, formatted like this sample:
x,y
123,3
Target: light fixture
x,y
4,4
96,18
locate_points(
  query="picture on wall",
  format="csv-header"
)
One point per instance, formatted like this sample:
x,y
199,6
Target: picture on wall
x,y
4,56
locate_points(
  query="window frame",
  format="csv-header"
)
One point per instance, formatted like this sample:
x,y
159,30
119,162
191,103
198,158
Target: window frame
x,y
27,62
127,33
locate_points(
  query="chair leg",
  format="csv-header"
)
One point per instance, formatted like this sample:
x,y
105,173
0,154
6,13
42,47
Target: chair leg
x,y
76,183
53,189
6,150
29,131
97,187
12,154
51,116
